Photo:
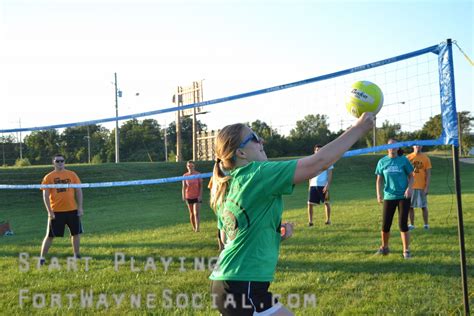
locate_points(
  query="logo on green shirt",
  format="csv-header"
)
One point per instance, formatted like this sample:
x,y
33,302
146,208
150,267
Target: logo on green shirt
x,y
231,225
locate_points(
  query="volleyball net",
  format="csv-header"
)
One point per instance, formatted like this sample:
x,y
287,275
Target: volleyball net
x,y
418,92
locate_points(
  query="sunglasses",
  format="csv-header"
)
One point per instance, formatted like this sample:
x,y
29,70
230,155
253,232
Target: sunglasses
x,y
59,161
251,137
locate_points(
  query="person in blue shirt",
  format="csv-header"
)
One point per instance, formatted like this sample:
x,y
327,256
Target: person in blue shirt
x,y
318,191
394,189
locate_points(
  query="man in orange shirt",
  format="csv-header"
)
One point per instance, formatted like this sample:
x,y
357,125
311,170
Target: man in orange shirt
x,y
64,207
421,185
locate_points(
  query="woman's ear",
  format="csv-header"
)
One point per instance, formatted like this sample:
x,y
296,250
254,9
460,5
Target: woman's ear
x,y
239,153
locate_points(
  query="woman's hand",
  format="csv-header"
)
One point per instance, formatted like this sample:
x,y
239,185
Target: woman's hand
x,y
379,199
286,230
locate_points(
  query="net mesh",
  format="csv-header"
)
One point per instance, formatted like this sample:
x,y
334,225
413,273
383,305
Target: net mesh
x,y
411,98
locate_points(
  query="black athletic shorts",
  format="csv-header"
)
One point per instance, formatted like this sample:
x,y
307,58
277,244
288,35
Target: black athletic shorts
x,y
61,219
316,195
241,298
193,201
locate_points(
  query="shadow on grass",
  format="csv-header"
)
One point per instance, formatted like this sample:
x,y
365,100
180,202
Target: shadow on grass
x,y
376,265
157,248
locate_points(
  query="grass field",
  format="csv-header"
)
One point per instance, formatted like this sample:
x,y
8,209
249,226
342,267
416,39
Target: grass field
x,y
334,265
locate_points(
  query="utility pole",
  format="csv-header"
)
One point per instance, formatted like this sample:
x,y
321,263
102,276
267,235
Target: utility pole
x,y
3,151
374,136
179,102
166,144
460,134
185,96
198,97
21,147
88,145
117,149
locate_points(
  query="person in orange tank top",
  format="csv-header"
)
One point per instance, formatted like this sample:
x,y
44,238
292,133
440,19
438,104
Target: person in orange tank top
x,y
64,207
422,175
192,195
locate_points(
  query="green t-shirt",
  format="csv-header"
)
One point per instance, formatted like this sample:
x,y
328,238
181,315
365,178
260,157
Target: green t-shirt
x,y
395,172
251,219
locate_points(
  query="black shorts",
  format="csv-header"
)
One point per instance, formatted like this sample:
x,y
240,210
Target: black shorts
x,y
316,195
193,201
61,219
242,297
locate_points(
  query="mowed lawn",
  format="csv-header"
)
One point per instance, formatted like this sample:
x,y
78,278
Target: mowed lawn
x,y
141,257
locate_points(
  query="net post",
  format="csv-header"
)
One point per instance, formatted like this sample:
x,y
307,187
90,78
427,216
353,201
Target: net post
x,y
448,99
462,247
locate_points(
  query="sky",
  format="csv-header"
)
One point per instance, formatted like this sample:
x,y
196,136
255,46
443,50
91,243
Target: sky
x,y
58,58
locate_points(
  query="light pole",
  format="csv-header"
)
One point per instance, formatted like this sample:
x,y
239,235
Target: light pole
x,y
21,147
166,143
374,131
118,94
88,137
3,151
117,149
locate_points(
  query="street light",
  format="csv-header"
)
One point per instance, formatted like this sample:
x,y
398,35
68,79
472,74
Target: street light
x,y
117,149
374,130
21,147
88,137
118,94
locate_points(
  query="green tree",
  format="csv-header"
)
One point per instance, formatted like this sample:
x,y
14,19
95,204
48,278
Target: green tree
x,y
141,141
186,136
75,142
313,129
100,142
384,133
433,129
263,130
42,145
9,150
275,144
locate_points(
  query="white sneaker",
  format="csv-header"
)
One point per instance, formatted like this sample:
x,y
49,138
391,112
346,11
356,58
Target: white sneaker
x,y
406,254
411,227
426,226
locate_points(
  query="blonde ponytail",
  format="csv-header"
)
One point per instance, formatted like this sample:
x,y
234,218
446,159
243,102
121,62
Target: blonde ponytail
x,y
227,142
220,183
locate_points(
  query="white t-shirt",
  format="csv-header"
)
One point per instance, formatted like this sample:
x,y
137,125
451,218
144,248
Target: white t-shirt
x,y
321,179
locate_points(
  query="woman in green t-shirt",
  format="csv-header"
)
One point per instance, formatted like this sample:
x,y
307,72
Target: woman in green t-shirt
x,y
247,198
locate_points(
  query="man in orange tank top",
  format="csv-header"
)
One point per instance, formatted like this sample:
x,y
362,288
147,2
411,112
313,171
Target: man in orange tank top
x,y
422,175
64,207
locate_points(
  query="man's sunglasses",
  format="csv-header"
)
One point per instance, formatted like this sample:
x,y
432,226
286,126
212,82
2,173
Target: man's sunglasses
x,y
251,137
59,160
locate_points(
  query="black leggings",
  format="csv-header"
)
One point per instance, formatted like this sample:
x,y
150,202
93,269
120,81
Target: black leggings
x,y
389,207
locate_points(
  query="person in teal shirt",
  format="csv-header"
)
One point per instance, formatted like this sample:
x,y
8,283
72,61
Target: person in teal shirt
x,y
394,176
246,195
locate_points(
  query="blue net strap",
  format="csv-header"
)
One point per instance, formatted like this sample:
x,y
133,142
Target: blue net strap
x,y
107,184
449,117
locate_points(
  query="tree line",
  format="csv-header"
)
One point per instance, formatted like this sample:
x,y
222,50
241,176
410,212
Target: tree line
x,y
145,140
